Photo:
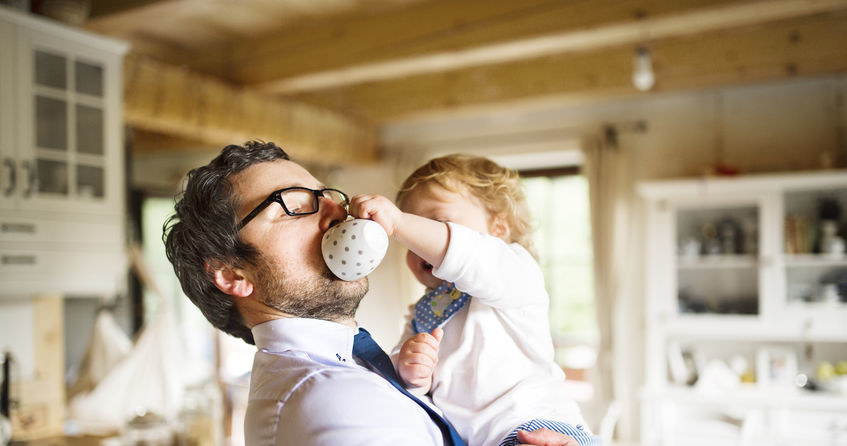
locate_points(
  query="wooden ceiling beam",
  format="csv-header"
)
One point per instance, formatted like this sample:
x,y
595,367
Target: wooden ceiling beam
x,y
781,50
101,8
445,35
176,101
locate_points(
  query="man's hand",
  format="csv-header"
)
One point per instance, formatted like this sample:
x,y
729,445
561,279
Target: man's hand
x,y
545,437
417,358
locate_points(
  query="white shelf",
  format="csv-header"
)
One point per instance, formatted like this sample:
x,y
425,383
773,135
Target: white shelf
x,y
814,260
745,331
817,306
751,395
711,326
717,262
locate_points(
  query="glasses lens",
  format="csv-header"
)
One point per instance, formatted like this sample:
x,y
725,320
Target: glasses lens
x,y
336,196
299,201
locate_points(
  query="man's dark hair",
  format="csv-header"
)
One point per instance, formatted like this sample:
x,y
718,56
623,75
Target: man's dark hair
x,y
204,231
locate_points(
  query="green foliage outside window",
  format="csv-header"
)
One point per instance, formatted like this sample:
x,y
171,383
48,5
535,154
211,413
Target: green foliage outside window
x,y
561,221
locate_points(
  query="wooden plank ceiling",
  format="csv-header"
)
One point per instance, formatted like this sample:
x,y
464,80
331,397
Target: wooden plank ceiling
x,y
345,67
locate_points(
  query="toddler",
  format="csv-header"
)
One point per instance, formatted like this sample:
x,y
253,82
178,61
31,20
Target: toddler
x,y
478,342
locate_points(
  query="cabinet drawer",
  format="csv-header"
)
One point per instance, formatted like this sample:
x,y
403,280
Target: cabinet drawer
x,y
57,232
824,425
814,320
26,272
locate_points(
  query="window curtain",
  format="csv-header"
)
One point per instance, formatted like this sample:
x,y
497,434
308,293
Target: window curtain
x,y
609,169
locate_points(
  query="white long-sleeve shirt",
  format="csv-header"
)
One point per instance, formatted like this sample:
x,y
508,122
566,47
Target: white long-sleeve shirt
x,y
495,366
306,389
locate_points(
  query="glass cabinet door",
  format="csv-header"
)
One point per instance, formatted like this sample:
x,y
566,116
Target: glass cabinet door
x,y
717,267
9,178
814,230
65,167
69,130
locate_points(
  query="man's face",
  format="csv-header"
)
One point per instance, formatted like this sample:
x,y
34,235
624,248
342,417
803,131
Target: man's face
x,y
290,274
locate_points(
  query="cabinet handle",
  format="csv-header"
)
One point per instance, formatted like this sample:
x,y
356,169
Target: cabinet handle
x,y
23,228
13,177
19,259
31,178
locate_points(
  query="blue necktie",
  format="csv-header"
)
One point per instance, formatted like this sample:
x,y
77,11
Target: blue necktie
x,y
366,349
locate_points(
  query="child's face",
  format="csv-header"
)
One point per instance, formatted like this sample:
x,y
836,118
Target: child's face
x,y
437,203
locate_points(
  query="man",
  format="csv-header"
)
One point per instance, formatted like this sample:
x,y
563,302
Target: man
x,y
245,244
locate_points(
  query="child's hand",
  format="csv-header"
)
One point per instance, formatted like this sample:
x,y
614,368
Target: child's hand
x,y
417,359
377,208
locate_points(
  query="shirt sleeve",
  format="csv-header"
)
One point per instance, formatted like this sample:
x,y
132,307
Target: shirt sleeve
x,y
498,274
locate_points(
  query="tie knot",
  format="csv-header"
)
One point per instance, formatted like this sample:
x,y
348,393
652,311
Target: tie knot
x,y
361,335
364,347
362,341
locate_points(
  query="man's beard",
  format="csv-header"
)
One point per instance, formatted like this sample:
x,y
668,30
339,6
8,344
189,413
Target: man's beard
x,y
320,297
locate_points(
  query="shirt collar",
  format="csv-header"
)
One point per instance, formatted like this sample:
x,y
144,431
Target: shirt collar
x,y
327,339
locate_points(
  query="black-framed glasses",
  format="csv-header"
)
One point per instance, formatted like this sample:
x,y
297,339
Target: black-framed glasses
x,y
298,201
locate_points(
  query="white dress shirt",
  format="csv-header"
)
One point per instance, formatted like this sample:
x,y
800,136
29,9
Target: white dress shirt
x,y
306,389
495,366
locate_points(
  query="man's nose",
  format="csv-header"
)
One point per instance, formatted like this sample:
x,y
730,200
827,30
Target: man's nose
x,y
332,213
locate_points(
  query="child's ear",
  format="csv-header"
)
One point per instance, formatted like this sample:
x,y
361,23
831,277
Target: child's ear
x,y
499,227
230,280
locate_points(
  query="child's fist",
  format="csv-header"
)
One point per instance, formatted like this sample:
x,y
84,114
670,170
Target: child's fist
x,y
377,208
417,359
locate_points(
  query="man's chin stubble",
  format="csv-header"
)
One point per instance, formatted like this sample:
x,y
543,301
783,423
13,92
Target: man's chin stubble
x,y
323,297
332,299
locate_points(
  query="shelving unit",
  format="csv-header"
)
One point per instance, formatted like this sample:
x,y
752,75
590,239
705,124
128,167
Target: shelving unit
x,y
736,278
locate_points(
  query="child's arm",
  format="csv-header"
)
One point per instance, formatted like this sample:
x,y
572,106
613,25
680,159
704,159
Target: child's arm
x,y
484,266
426,238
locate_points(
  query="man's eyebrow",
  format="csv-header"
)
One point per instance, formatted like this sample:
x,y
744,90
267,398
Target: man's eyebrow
x,y
319,186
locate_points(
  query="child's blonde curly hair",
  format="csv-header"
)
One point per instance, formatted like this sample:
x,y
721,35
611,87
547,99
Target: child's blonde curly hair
x,y
497,188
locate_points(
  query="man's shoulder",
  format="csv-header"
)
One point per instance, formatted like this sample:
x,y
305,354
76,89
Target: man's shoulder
x,y
345,404
281,376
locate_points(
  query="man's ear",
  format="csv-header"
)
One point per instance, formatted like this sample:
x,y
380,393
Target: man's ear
x,y
499,227
230,280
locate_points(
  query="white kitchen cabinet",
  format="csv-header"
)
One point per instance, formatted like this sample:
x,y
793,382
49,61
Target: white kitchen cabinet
x,y
61,149
736,279
9,162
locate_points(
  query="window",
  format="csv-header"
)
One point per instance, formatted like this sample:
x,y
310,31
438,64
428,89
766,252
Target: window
x,y
558,202
198,333
207,348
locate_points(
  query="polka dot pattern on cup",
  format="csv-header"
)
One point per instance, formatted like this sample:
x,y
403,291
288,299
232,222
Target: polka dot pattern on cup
x,y
354,248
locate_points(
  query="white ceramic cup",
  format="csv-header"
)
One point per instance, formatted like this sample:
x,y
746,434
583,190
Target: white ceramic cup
x,y
354,248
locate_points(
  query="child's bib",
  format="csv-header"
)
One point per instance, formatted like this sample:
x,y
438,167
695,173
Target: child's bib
x,y
437,306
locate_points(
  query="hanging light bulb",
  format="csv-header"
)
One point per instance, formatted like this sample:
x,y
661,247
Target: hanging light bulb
x,y
643,77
